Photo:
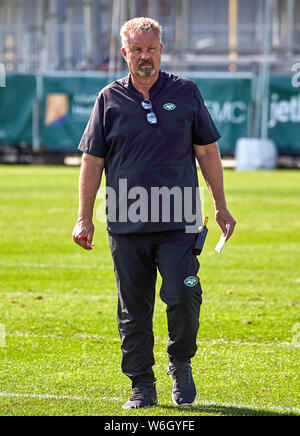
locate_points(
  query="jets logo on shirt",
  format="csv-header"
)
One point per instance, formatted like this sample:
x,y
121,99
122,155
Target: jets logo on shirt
x,y
191,281
169,106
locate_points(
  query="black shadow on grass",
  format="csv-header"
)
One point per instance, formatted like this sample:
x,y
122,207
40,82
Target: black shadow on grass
x,y
227,410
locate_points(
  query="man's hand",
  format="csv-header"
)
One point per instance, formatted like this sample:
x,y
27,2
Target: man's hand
x,y
209,160
89,182
223,217
83,234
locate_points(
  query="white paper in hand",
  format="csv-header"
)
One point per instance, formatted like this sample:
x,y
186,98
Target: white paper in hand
x,y
222,240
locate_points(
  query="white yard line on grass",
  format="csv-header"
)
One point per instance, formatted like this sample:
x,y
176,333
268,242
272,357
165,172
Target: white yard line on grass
x,y
110,267
75,295
246,344
75,336
157,340
114,297
57,397
201,403
53,265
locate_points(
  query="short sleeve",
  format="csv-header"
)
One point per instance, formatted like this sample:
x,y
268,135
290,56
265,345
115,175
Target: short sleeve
x,y
204,129
93,140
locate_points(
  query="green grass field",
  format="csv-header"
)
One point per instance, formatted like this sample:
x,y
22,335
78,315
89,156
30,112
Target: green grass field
x,y
60,348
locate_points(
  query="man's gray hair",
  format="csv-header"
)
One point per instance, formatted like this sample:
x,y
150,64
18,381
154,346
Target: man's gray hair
x,y
140,25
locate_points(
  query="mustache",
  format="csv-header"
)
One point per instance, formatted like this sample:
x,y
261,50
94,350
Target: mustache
x,y
142,63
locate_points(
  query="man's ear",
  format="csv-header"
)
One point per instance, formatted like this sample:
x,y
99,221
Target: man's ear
x,y
124,53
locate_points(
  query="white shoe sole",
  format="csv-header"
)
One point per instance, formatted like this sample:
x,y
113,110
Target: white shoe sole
x,y
124,407
184,404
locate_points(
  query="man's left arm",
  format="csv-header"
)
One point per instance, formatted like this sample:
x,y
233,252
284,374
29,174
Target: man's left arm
x,y
209,160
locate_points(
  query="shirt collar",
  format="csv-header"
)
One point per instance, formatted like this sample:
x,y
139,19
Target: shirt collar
x,y
127,83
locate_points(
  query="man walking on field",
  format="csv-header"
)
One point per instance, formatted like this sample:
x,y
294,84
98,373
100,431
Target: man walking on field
x,y
146,131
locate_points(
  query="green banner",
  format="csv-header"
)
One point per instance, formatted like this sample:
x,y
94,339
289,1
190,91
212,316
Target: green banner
x,y
62,104
16,108
66,105
229,103
284,114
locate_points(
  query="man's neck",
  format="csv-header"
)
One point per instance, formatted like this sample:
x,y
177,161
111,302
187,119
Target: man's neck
x,y
144,84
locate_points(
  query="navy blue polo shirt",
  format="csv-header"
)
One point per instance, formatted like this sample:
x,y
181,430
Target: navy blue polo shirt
x,y
148,156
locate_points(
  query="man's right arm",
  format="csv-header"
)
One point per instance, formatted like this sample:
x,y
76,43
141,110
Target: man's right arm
x,y
89,183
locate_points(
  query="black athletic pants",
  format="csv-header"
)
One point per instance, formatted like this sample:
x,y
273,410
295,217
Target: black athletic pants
x,y
136,258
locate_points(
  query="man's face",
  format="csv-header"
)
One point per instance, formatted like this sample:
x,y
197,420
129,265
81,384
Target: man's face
x,y
143,54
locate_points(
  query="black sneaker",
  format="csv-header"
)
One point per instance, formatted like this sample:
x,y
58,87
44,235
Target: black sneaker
x,y
142,396
184,389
